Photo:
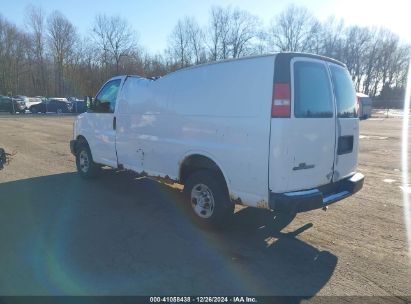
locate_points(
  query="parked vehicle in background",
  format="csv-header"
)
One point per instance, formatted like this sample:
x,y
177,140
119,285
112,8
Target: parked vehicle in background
x,y
364,106
19,105
53,105
6,104
78,106
32,102
59,98
22,98
29,101
277,132
42,98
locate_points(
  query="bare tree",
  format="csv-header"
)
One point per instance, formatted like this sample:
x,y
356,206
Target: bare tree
x,y
331,37
13,53
62,38
196,40
100,37
155,66
186,43
218,33
244,28
293,30
356,45
115,38
370,67
232,33
179,42
35,21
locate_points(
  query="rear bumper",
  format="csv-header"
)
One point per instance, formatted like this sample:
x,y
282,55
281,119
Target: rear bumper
x,y
302,201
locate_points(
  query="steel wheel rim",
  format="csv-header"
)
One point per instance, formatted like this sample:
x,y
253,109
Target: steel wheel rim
x,y
84,161
202,200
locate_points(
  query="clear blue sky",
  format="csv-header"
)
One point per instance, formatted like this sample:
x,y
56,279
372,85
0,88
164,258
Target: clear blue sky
x,y
153,20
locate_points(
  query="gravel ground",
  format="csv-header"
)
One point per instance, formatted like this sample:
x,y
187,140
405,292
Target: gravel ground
x,y
123,235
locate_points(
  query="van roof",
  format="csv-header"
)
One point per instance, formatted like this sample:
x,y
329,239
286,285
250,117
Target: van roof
x,y
285,56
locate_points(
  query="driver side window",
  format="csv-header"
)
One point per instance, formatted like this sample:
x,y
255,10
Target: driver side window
x,y
105,101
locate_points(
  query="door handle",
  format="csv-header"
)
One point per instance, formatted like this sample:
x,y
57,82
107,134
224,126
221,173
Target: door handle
x,y
114,123
303,166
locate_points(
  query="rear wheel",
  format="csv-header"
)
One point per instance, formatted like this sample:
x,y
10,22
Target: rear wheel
x,y
86,167
207,199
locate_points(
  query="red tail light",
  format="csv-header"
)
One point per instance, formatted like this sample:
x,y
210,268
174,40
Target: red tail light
x,y
281,106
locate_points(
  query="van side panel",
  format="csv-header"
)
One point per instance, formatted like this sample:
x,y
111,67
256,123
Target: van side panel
x,y
224,109
221,111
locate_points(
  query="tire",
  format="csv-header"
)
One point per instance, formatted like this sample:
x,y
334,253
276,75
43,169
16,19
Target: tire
x,y
86,167
33,110
207,199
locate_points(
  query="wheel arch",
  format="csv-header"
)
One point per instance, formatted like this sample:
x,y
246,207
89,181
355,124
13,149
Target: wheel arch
x,y
195,161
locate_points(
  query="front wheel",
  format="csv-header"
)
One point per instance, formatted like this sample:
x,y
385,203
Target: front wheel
x,y
207,199
86,167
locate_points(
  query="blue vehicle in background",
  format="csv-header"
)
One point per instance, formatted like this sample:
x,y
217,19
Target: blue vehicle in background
x,y
55,105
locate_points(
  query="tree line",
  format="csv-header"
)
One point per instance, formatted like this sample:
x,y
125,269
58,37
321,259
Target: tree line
x,y
49,57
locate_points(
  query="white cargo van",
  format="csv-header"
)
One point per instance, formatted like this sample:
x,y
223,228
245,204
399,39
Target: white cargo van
x,y
278,132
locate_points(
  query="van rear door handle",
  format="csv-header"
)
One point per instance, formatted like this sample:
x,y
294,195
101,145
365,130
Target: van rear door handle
x,y
114,123
303,166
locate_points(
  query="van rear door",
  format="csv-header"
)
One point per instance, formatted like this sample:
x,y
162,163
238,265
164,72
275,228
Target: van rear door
x,y
303,139
347,123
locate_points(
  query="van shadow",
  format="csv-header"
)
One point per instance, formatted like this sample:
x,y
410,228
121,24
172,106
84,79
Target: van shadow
x,y
119,235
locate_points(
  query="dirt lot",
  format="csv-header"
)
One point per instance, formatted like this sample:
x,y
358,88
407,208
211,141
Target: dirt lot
x,y
123,235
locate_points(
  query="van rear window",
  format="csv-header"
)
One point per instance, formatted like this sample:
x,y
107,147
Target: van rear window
x,y
344,92
312,92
